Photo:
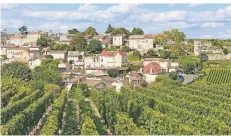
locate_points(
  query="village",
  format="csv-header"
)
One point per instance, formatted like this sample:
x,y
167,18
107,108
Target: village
x,y
107,68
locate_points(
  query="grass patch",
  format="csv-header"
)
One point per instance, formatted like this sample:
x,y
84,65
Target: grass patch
x,y
131,57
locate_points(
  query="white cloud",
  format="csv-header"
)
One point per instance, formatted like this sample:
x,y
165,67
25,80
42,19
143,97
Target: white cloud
x,y
12,23
9,6
123,8
178,25
194,5
226,34
60,27
161,17
212,24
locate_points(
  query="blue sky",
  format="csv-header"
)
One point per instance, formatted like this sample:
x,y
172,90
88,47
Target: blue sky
x,y
196,20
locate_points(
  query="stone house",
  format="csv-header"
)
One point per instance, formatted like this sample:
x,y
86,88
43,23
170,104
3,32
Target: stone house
x,y
91,61
141,42
118,40
113,58
58,54
17,39
21,52
4,48
76,57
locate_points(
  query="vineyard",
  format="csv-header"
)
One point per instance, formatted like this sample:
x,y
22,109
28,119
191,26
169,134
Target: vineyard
x,y
193,109
219,76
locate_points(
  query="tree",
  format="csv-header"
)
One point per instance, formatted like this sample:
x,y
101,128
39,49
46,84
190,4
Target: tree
x,y
84,87
136,53
94,46
16,69
189,68
81,45
90,31
126,49
73,31
23,30
75,40
88,127
137,31
52,87
225,51
173,75
109,29
125,126
62,47
120,31
113,72
42,41
165,54
151,52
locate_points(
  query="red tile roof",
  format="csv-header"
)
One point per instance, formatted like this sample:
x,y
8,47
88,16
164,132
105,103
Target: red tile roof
x,y
112,53
152,68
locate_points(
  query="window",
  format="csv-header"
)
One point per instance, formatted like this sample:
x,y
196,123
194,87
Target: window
x,y
101,60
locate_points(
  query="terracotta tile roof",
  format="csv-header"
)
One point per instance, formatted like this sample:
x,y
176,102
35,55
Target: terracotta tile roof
x,y
9,46
148,36
33,33
18,36
155,59
33,51
97,37
152,68
19,48
112,53
106,41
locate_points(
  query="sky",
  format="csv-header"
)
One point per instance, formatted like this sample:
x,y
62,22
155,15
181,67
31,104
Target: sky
x,y
195,20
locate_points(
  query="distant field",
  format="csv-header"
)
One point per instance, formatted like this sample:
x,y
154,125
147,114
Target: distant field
x,y
222,76
131,57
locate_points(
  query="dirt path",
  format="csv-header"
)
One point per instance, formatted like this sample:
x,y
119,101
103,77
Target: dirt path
x,y
97,114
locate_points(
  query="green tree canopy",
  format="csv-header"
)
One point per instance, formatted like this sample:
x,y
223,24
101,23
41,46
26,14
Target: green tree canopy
x,y
16,69
61,47
88,127
113,72
126,49
165,54
225,51
23,30
151,52
137,31
94,46
90,31
73,31
136,53
173,75
109,29
81,45
42,41
75,40
120,31
125,126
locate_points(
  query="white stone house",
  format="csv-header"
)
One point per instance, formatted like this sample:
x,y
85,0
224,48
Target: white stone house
x,y
32,37
17,39
20,52
118,40
91,61
113,58
4,48
58,54
34,62
76,57
141,42
197,48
